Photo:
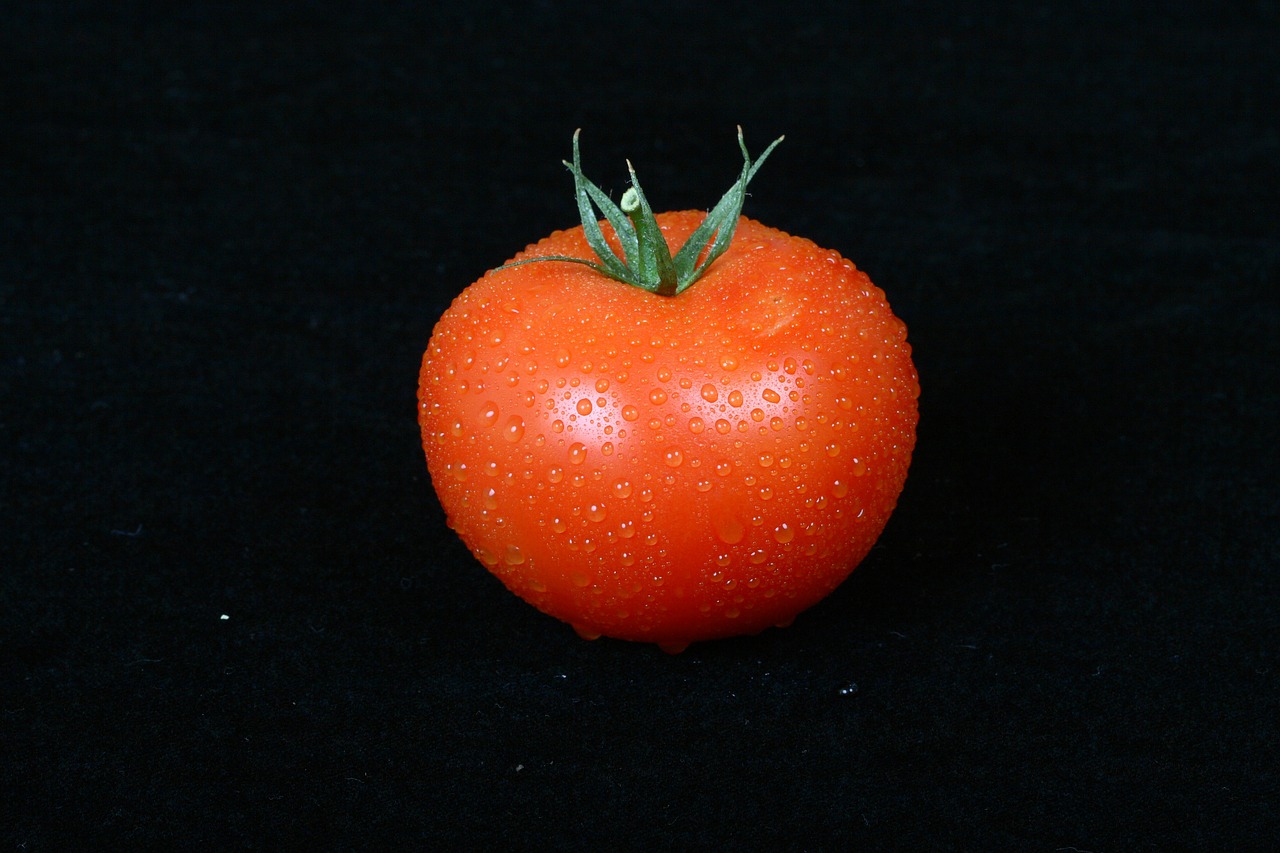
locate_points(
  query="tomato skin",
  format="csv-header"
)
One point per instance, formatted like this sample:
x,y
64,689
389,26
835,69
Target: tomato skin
x,y
671,469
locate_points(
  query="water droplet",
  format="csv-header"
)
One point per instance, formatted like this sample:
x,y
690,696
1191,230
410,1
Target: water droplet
x,y
674,457
724,560
732,613
833,449
558,525
771,395
776,423
859,468
513,431
766,493
627,559
595,513
622,489
696,425
758,556
488,414
579,580
657,396
584,406
709,393
723,426
766,460
602,385
728,528
784,533
563,357
514,556
557,426
537,586
729,362
627,529
704,485
491,498
735,398
789,365
724,467
577,453
839,488
849,689
630,413
487,557
757,415
664,375
555,475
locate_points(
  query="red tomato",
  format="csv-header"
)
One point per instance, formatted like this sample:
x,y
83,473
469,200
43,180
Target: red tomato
x,y
670,468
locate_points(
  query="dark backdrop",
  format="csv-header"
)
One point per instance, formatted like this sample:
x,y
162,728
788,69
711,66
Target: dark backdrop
x,y
232,616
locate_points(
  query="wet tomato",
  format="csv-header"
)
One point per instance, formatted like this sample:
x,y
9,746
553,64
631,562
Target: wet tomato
x,y
704,454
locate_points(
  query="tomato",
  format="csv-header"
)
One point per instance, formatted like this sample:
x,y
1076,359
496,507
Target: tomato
x,y
670,468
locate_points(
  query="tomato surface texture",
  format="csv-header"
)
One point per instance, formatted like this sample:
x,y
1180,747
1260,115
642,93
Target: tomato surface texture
x,y
671,468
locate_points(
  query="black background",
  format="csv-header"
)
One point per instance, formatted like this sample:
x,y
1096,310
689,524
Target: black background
x,y
233,616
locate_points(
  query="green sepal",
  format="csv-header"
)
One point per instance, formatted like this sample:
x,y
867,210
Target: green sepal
x,y
586,193
722,221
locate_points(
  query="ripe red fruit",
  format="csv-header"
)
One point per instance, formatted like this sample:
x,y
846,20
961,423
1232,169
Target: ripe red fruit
x,y
669,468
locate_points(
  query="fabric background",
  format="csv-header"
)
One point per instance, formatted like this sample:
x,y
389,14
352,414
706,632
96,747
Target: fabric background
x,y
232,617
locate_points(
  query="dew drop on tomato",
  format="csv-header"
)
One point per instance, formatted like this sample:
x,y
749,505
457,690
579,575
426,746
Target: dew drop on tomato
x,y
513,431
728,528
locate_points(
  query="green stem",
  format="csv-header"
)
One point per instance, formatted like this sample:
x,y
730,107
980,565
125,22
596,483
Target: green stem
x,y
647,261
653,256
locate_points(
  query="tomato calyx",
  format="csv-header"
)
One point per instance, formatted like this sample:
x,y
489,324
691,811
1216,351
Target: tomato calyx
x,y
646,261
